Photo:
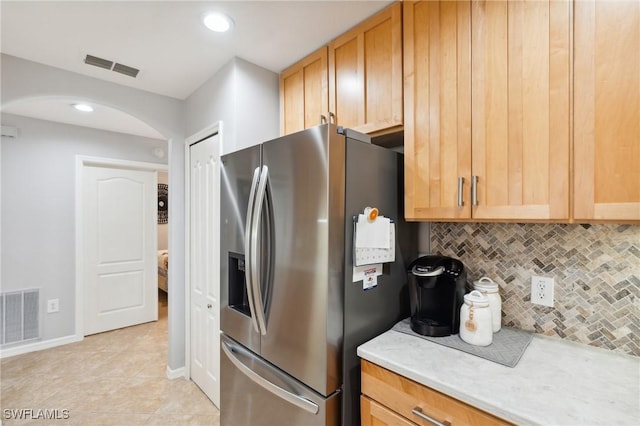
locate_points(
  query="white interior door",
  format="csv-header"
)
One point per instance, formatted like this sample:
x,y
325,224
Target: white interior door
x,y
204,268
119,216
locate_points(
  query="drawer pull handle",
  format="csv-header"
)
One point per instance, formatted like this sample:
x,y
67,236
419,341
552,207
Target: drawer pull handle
x,y
418,412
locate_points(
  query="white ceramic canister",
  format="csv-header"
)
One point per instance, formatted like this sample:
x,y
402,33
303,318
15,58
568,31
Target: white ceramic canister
x,y
490,289
475,319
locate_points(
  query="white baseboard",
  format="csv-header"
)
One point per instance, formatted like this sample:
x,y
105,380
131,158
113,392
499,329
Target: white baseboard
x,y
175,374
38,346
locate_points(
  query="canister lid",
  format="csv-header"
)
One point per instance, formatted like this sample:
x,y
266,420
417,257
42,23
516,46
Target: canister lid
x,y
476,298
485,283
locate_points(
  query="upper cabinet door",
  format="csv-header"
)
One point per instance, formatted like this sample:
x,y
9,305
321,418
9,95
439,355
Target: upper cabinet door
x,y
607,111
437,143
365,74
521,109
304,93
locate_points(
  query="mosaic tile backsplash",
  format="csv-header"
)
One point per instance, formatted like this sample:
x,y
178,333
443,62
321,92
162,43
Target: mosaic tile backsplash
x,y
596,270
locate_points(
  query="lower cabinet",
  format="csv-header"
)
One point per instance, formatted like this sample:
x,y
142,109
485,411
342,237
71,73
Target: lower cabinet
x,y
373,413
391,399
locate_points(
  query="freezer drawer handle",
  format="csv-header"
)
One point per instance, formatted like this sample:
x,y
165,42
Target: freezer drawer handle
x,y
418,412
296,400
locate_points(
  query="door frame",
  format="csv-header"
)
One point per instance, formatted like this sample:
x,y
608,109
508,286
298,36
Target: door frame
x,y
211,130
81,162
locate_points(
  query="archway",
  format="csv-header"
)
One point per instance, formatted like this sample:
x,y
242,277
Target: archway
x,y
50,108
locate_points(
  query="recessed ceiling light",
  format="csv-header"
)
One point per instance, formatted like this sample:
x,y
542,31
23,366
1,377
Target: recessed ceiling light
x,y
218,22
83,107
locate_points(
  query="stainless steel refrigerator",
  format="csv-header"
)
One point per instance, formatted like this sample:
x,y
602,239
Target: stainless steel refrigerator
x,y
291,315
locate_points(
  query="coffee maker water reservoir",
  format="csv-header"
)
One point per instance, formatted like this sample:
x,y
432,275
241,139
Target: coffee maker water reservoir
x,y
436,290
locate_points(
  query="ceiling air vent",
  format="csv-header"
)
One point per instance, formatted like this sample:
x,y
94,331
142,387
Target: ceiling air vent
x,y
98,62
109,65
123,69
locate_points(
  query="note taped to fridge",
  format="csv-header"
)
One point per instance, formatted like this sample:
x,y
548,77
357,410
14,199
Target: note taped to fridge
x,y
383,252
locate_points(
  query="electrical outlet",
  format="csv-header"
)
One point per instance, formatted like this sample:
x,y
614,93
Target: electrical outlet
x,y
53,305
542,291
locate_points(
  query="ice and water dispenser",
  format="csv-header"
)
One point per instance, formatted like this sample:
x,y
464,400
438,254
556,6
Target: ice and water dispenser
x,y
238,298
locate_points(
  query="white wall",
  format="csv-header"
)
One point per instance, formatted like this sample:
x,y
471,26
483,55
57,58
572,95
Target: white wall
x,y
258,105
212,102
245,97
22,80
242,95
38,206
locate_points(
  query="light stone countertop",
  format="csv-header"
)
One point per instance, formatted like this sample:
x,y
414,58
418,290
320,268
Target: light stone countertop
x,y
556,382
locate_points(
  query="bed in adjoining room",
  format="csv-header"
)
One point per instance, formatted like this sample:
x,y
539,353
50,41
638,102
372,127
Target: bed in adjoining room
x,y
163,267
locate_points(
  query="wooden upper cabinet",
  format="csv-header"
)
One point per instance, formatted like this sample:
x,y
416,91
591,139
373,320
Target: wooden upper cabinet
x,y
304,93
607,111
437,99
365,74
487,99
521,108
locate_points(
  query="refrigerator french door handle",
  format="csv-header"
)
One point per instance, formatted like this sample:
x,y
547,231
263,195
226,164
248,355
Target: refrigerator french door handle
x,y
248,232
255,231
234,353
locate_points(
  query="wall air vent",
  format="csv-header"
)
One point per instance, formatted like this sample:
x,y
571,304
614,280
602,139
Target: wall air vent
x,y
110,65
19,316
123,69
98,62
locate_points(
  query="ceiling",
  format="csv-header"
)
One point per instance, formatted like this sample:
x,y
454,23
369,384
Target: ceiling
x,y
166,41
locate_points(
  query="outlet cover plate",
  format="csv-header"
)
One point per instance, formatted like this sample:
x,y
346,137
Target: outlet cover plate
x,y
542,291
53,305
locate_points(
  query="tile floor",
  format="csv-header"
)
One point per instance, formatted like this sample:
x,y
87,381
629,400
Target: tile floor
x,y
114,378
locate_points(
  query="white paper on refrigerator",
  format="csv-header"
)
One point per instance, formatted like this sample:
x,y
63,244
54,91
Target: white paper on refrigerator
x,y
372,234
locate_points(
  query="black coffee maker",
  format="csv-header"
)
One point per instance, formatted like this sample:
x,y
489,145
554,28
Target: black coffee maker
x,y
436,291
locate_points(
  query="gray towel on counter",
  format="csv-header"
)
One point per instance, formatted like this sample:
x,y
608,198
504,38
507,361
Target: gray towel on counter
x,y
507,347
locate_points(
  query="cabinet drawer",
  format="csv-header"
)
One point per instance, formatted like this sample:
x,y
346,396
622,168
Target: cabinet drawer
x,y
374,414
403,396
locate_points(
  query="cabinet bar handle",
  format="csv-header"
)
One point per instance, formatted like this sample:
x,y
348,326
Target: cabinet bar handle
x,y
323,119
474,190
332,118
460,194
418,412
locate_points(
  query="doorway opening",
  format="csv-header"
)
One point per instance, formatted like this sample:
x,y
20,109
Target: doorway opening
x,y
116,243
